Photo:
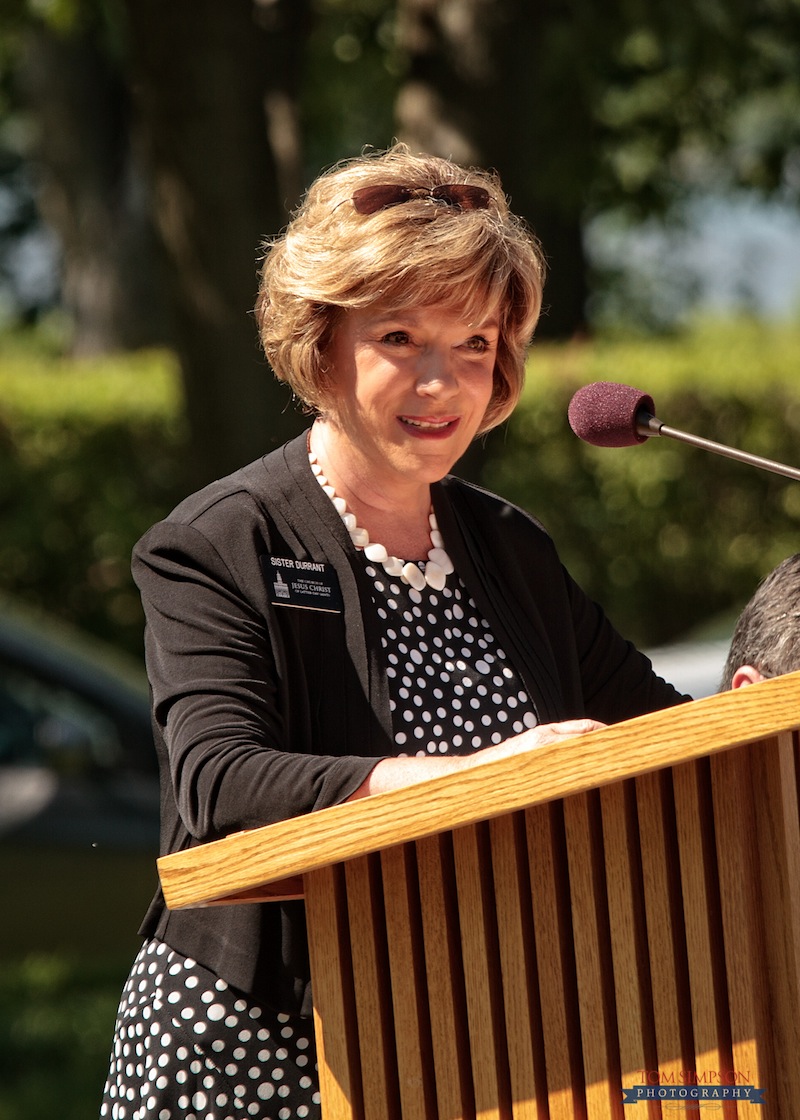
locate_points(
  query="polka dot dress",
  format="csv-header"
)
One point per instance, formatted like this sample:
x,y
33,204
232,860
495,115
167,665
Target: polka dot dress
x,y
187,1046
452,690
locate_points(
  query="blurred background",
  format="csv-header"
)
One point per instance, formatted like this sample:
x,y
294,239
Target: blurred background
x,y
147,151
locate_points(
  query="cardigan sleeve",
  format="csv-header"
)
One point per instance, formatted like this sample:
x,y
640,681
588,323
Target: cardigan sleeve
x,y
231,754
618,680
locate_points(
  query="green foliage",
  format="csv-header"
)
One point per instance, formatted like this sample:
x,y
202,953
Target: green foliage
x,y
90,456
56,1026
709,100
664,535
350,51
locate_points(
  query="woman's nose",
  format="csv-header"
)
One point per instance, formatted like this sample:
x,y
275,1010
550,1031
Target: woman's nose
x,y
436,376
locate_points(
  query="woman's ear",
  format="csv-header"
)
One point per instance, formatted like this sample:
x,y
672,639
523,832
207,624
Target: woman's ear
x,y
744,675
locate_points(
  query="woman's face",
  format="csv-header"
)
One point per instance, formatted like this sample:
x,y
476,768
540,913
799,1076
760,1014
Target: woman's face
x,y
410,388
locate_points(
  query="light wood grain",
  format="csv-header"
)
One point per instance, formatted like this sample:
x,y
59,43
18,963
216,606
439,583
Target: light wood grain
x,y
455,1094
703,923
735,814
212,871
775,779
372,994
335,1021
664,929
559,1008
628,933
591,940
409,989
518,968
481,976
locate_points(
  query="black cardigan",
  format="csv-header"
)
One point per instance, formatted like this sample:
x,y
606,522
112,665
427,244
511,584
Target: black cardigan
x,y
264,709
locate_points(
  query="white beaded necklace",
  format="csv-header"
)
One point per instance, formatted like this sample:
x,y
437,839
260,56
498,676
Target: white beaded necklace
x,y
438,566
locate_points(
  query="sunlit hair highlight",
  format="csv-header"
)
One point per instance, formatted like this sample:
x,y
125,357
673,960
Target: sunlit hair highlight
x,y
420,253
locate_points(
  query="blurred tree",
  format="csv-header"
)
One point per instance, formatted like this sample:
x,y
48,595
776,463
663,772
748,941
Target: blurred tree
x,y
494,82
585,107
90,187
216,88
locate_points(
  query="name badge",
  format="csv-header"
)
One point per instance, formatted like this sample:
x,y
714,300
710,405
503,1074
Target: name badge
x,y
302,583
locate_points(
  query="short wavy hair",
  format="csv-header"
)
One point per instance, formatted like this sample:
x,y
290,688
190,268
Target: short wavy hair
x,y
767,632
419,253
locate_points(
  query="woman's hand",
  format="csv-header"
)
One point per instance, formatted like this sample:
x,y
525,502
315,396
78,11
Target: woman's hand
x,y
397,773
538,736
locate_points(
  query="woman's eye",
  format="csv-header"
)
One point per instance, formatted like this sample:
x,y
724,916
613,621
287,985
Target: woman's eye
x,y
397,338
478,343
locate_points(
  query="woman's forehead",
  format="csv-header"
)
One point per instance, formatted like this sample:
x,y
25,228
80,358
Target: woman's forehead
x,y
483,317
470,306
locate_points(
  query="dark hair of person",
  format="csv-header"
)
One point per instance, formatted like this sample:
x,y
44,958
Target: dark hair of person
x,y
767,633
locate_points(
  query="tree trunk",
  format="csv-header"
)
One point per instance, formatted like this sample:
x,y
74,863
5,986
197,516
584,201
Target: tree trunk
x,y
214,83
90,190
484,87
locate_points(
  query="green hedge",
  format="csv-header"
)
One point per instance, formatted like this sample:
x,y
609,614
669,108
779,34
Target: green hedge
x,y
663,535
90,455
56,1029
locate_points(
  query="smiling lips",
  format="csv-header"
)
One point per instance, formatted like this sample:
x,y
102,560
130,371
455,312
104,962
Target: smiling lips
x,y
424,426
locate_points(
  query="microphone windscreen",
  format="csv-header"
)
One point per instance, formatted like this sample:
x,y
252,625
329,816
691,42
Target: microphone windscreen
x,y
604,414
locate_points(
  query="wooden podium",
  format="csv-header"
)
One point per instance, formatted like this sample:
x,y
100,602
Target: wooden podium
x,y
608,927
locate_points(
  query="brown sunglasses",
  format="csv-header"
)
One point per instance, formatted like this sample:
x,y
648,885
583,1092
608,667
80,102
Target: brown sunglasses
x,y
462,196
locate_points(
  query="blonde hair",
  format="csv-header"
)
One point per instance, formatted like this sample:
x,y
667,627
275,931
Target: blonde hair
x,y
422,252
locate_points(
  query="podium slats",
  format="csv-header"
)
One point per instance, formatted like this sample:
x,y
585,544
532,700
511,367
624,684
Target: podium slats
x,y
734,814
372,986
774,776
445,975
559,1010
628,939
703,921
518,968
482,974
335,1019
410,999
665,933
592,959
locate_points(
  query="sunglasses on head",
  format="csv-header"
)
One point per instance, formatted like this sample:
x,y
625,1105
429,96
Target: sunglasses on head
x,y
462,196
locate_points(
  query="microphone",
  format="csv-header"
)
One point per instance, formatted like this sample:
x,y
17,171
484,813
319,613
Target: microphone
x,y
606,414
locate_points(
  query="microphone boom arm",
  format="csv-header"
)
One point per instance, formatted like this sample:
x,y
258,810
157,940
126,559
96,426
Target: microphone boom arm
x,y
649,425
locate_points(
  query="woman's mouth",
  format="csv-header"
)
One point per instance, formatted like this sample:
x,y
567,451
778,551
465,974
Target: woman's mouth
x,y
429,426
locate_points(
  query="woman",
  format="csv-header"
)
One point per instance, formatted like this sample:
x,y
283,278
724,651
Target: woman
x,y
343,616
